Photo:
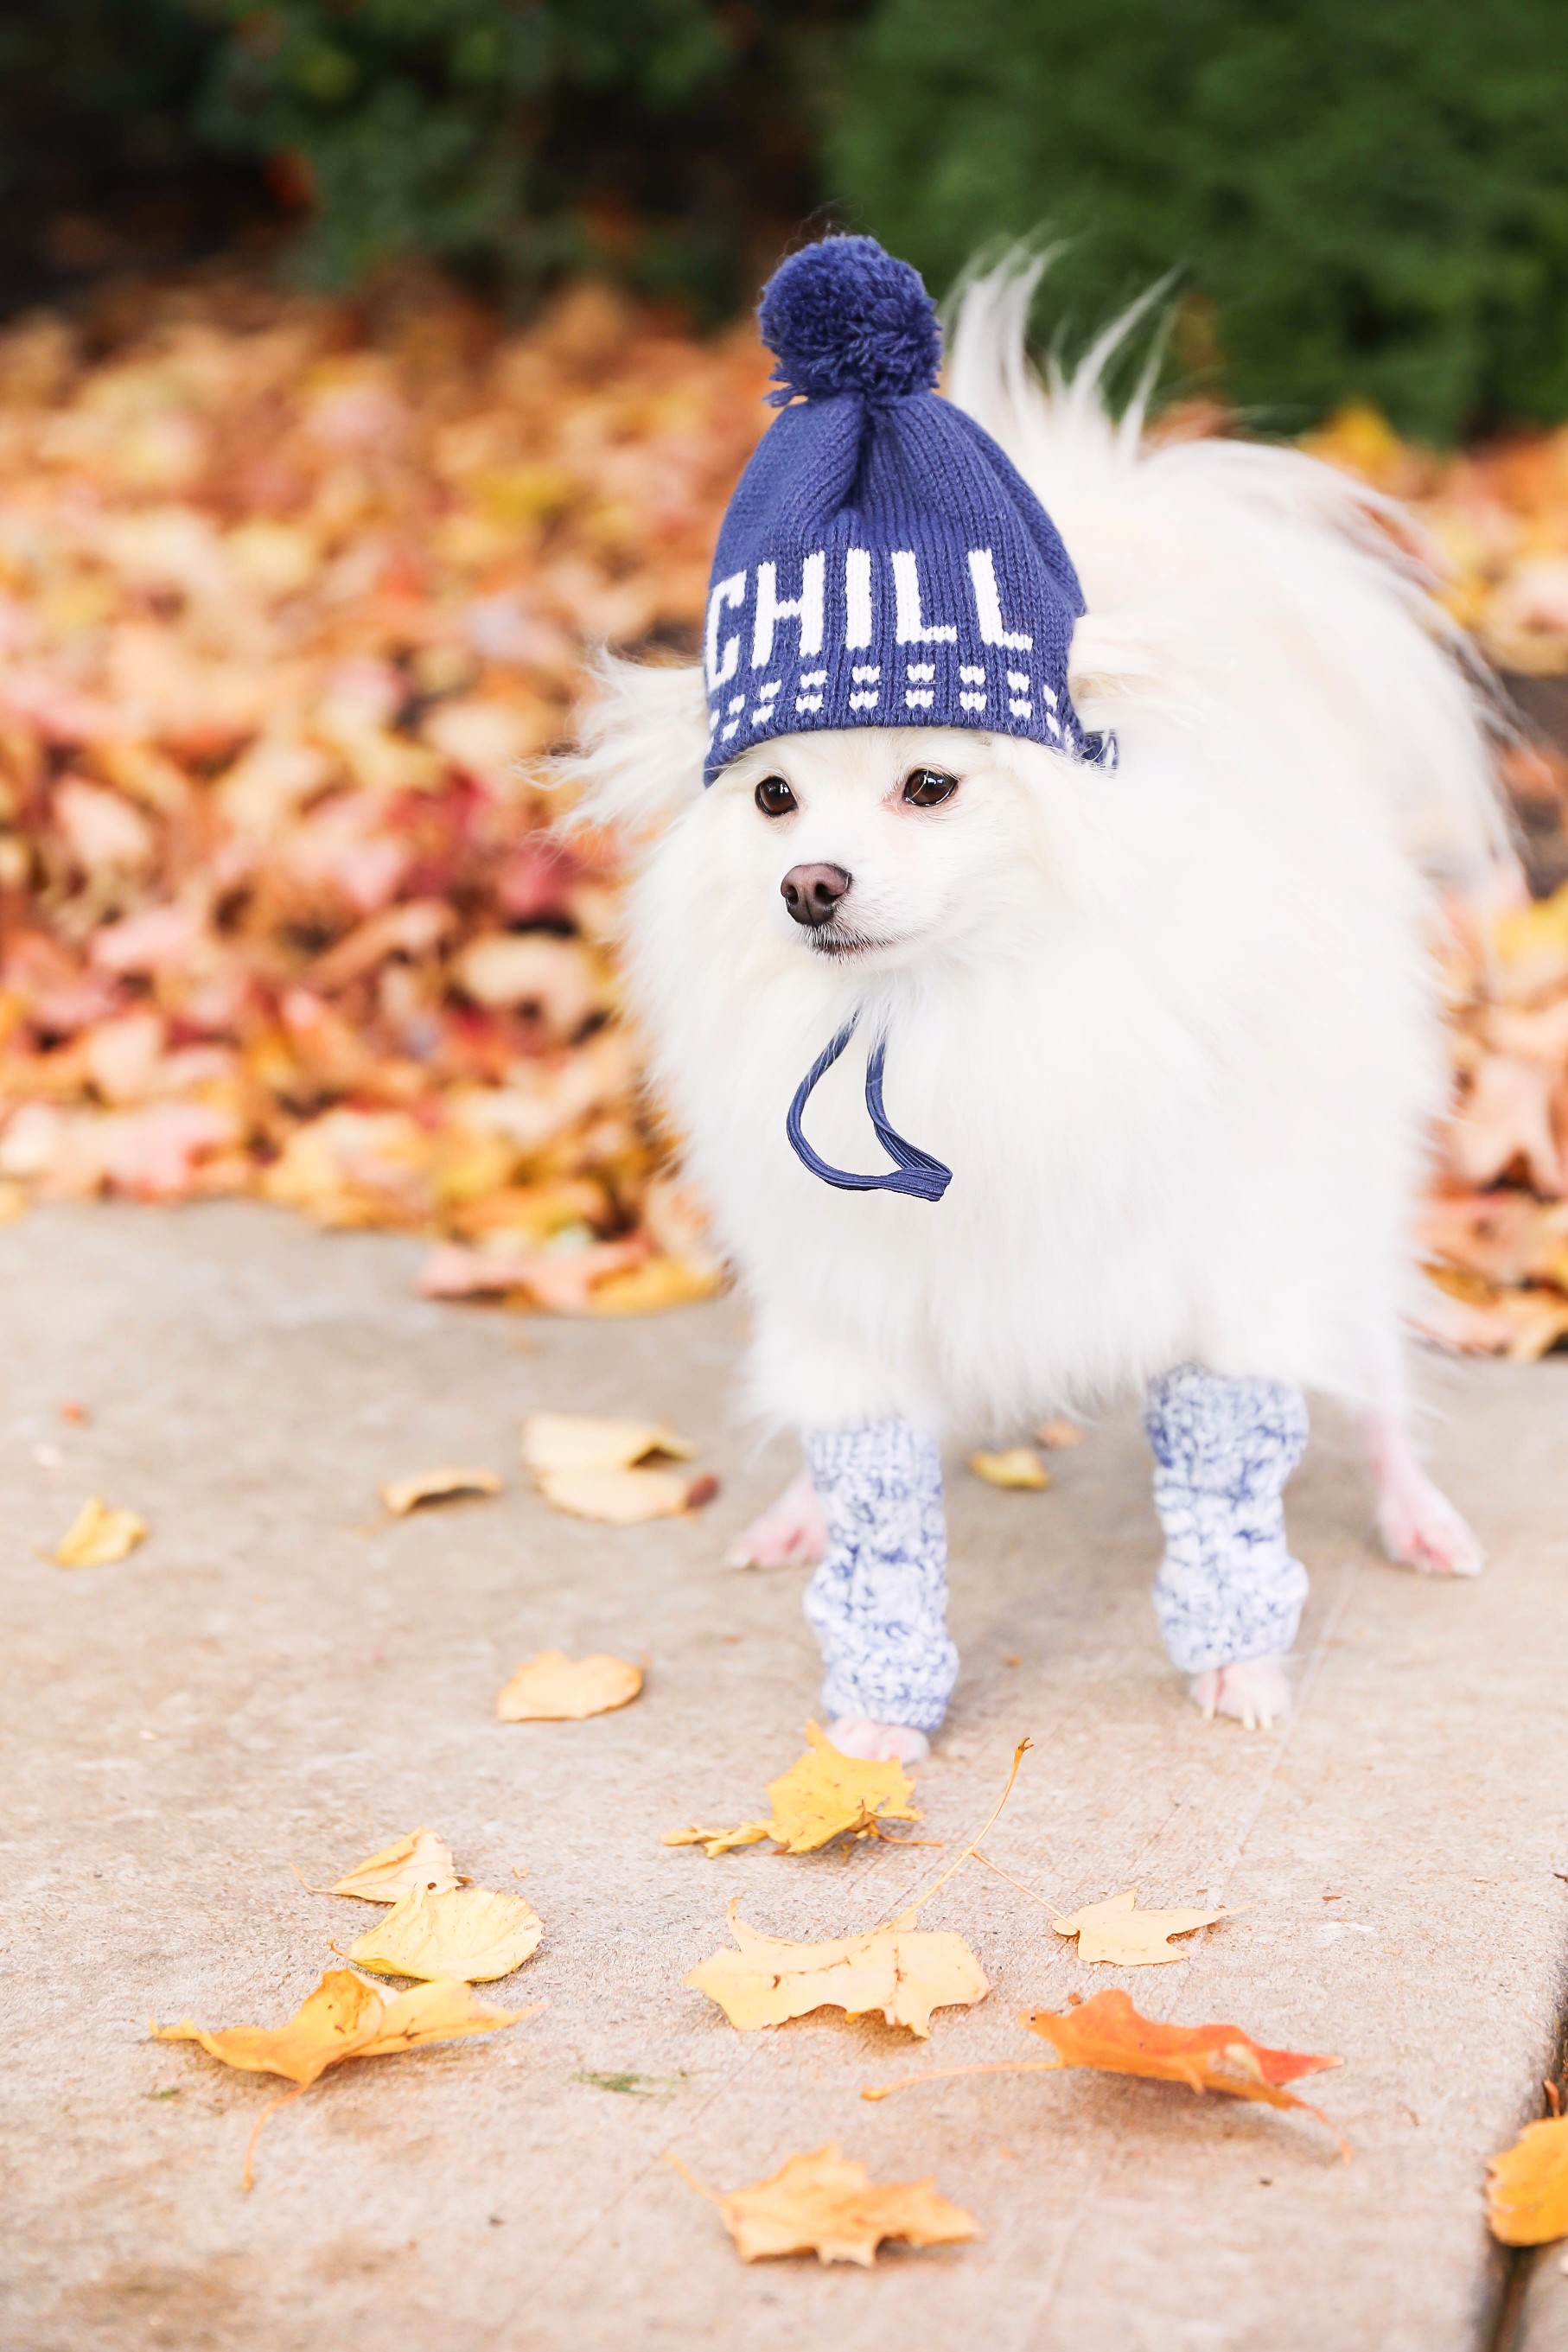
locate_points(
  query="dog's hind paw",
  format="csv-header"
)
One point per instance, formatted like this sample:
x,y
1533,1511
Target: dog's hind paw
x,y
1420,1527
855,1735
1255,1692
791,1533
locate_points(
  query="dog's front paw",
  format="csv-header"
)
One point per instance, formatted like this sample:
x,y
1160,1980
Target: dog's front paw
x,y
791,1533
855,1735
1255,1692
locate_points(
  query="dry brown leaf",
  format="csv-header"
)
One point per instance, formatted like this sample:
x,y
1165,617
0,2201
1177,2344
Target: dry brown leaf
x,y
551,1687
344,2018
827,2204
1019,1467
624,1498
1108,2035
463,1932
1118,1933
902,1970
99,1537
1526,2186
824,1795
420,1860
402,1496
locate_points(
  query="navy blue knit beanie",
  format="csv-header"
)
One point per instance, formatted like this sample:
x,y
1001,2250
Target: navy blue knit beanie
x,y
883,562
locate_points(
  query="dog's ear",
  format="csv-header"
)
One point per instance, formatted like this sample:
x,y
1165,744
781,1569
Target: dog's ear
x,y
641,739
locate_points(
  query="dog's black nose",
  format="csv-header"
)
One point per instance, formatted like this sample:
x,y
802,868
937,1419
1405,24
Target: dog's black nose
x,y
812,892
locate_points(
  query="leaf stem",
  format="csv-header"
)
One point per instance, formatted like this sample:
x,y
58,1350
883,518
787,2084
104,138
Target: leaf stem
x,y
1044,1901
713,2196
247,2177
946,2074
908,1910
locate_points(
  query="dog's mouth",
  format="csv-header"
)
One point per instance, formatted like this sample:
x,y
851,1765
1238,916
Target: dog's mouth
x,y
843,946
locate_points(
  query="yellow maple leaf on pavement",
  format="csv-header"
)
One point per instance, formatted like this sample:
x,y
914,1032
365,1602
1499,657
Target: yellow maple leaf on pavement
x,y
420,1859
100,1537
824,1794
465,1932
401,1496
553,1689
824,2203
1526,2186
902,1970
1017,1465
1118,1933
344,2018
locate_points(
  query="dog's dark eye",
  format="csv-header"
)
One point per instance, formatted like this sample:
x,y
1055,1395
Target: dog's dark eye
x,y
773,796
929,787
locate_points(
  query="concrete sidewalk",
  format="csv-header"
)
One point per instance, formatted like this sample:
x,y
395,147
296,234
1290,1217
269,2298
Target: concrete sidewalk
x,y
279,1677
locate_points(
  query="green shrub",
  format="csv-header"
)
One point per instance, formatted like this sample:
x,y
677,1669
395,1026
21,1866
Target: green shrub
x,y
516,138
1365,197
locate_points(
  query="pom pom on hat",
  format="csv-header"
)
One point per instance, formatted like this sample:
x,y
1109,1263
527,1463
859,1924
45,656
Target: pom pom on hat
x,y
844,316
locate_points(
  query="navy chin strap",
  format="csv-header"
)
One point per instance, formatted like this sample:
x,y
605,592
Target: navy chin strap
x,y
918,1174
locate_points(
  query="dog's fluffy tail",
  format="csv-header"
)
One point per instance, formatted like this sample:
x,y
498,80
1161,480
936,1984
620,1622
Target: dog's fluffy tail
x,y
1251,583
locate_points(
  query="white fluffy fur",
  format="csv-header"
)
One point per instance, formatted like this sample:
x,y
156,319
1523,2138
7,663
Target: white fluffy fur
x,y
1173,1027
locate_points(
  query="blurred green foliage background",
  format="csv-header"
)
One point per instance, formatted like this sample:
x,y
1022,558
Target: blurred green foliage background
x,y
1362,198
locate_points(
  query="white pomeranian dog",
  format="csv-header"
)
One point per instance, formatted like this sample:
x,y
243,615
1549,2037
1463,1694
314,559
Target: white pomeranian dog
x,y
1171,1024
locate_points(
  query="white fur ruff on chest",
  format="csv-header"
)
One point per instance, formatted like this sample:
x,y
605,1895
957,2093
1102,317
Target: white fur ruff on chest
x,y
1181,1083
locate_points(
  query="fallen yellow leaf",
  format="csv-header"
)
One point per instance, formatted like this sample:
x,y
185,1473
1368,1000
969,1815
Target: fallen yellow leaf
x,y
1020,1465
1117,1933
624,1498
609,1469
463,1932
1526,2186
904,1971
824,1794
553,1689
718,1842
419,1860
827,2204
402,1496
99,1537
344,2018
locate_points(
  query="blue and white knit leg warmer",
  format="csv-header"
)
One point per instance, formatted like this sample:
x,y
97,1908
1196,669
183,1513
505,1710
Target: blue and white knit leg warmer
x,y
877,1604
1227,1588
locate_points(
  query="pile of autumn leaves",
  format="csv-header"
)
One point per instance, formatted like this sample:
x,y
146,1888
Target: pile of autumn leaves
x,y
286,602
1496,1227
449,1935
290,595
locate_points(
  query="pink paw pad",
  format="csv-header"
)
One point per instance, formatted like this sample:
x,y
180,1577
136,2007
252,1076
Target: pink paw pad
x,y
791,1533
1255,1692
1420,1528
855,1735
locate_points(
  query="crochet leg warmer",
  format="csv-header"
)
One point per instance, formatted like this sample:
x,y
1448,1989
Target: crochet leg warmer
x,y
877,1604
1227,1588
